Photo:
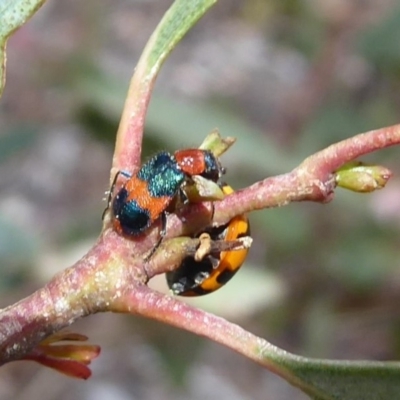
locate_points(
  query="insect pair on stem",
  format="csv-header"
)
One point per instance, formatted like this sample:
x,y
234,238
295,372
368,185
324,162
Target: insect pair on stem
x,y
161,183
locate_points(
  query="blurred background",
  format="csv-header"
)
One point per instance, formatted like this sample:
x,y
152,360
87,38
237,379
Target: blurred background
x,y
286,78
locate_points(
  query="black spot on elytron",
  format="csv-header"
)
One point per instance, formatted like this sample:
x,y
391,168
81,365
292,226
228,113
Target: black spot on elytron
x,y
184,279
133,219
226,275
243,234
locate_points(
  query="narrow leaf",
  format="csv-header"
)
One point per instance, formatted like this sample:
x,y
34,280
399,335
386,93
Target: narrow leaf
x,y
13,14
342,380
181,16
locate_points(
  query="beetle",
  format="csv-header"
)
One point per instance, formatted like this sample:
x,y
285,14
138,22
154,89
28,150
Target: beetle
x,y
197,278
146,196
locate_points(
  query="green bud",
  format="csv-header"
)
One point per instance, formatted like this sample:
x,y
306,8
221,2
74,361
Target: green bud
x,y
215,143
203,190
362,178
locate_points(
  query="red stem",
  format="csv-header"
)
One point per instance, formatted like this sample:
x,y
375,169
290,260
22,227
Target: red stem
x,y
114,271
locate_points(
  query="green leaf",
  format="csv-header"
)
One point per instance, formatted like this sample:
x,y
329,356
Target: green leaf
x,y
13,14
178,20
345,380
333,379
